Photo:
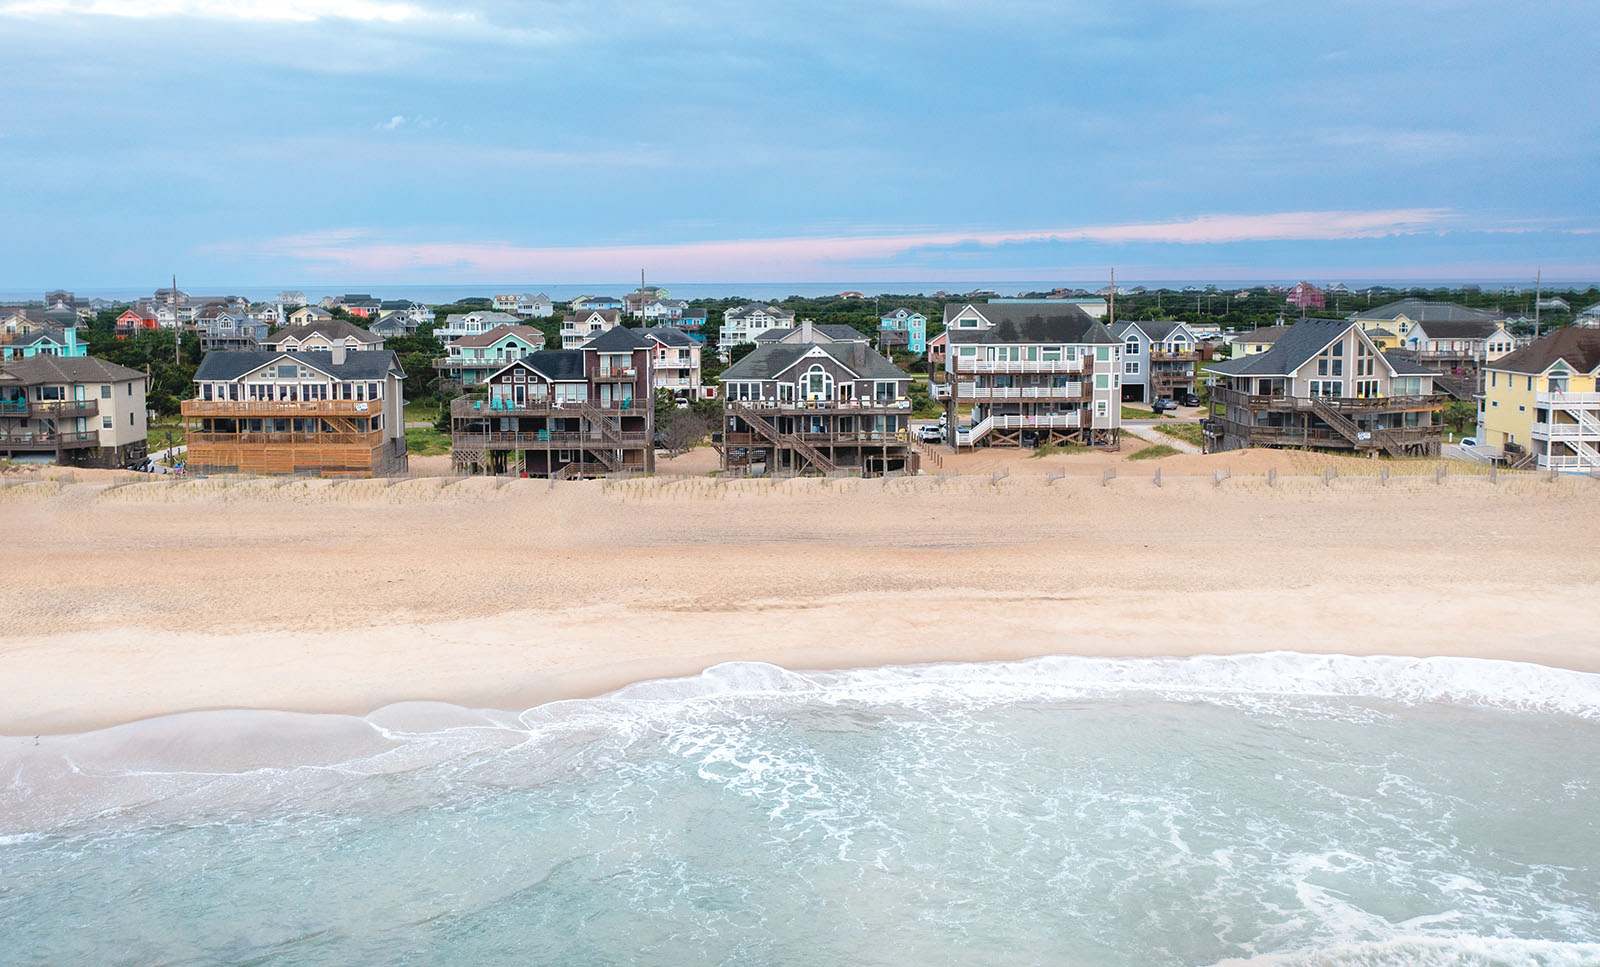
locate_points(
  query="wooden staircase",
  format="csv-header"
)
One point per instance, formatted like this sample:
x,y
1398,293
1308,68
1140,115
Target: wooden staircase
x,y
764,427
1347,428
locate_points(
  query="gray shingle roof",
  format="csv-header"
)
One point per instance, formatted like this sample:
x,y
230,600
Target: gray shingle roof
x,y
668,336
68,369
745,310
1421,310
372,364
766,362
1460,328
334,329
835,332
564,365
1289,352
476,340
1406,367
1031,323
1265,334
1159,330
618,340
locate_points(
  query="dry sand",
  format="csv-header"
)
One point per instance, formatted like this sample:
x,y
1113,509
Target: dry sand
x,y
133,597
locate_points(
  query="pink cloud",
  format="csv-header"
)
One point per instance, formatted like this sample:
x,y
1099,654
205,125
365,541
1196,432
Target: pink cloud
x,y
358,254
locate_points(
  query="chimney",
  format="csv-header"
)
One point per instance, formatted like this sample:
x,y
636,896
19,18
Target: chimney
x,y
805,330
338,353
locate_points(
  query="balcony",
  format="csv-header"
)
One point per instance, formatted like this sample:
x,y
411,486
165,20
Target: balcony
x,y
48,440
968,365
1157,356
1568,400
547,439
1073,390
1568,463
50,409
616,372
826,406
1567,431
281,408
468,362
469,407
196,439
1353,405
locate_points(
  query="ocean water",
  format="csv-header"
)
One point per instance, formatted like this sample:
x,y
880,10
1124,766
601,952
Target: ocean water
x,y
1272,809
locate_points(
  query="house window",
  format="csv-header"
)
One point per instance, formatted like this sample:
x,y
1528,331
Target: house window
x,y
1133,346
1102,381
105,391
1131,367
105,422
1102,353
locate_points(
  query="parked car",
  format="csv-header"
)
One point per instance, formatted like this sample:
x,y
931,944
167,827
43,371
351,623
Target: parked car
x,y
930,434
1190,399
1467,441
1163,403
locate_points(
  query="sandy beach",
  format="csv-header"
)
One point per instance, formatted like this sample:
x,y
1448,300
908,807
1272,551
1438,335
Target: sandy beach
x,y
148,596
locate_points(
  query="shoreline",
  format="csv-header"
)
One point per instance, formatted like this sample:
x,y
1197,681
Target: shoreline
x,y
467,664
147,600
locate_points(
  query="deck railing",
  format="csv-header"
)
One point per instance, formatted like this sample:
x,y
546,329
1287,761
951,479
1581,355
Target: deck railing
x,y
969,365
467,406
1071,391
546,439
47,439
281,408
1349,404
196,438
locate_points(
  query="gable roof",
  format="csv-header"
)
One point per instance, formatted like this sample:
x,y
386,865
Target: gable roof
x,y
337,330
1421,310
1156,330
315,312
580,315
770,361
776,312
222,365
68,369
833,331
560,365
481,339
1289,352
1030,323
618,340
668,336
1459,328
1264,334
1577,346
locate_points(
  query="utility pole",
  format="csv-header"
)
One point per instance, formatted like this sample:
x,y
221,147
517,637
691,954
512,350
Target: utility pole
x,y
177,326
1113,311
1538,297
641,297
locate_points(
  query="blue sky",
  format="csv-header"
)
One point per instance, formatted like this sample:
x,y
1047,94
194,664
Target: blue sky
x,y
258,142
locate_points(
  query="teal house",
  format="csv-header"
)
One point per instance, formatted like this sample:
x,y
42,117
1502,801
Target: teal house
x,y
20,339
903,329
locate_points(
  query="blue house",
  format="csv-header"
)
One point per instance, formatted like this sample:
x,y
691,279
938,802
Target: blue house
x,y
22,340
903,328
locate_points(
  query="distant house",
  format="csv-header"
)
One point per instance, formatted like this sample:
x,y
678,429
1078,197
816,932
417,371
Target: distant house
x,y
1554,304
78,410
905,330
1304,295
415,314
323,337
580,326
744,323
1325,384
42,341
360,305
223,328
470,360
634,302
1258,340
309,314
602,302
134,321
1398,317
534,306
473,323
663,310
936,351
693,322
393,325
1590,313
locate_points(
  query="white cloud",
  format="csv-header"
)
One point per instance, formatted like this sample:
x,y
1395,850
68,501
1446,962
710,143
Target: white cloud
x,y
293,11
400,120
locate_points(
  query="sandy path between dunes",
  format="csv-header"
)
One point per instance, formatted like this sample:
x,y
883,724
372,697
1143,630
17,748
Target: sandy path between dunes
x,y
156,597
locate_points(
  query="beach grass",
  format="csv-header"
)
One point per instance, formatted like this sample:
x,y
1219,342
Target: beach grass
x,y
427,442
1155,452
1187,432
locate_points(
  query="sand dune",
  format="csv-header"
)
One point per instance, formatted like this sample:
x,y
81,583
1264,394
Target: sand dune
x,y
140,597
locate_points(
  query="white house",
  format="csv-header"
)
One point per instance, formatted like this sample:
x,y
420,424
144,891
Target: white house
x,y
745,323
474,323
582,325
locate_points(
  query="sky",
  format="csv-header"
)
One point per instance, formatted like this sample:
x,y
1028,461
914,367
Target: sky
x,y
265,142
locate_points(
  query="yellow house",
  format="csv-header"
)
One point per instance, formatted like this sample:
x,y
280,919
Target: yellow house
x,y
1541,406
1401,316
1257,341
1383,339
